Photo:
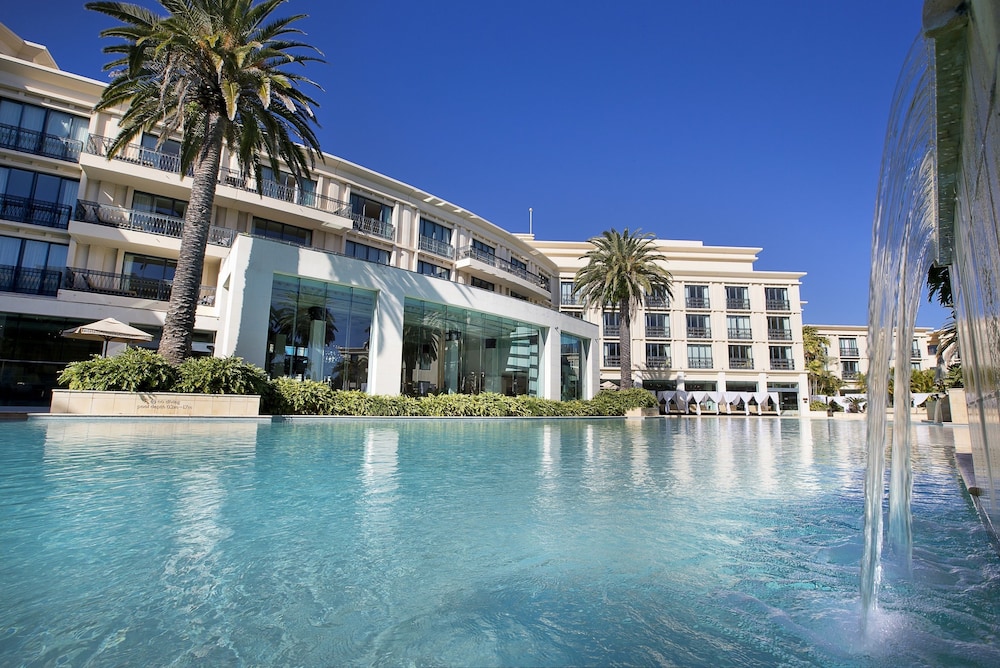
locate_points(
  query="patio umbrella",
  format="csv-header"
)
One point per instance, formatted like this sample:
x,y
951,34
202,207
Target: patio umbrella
x,y
107,330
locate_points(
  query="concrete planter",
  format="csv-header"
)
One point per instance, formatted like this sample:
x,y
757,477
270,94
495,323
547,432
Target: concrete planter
x,y
153,404
642,412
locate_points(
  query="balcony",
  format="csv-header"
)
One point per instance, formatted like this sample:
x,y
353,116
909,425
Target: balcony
x,y
144,221
34,212
39,143
280,191
849,352
570,300
437,247
699,332
740,363
657,362
779,334
739,334
777,305
782,364
612,330
134,154
370,226
470,252
612,360
658,302
850,375
697,302
700,363
737,304
29,281
653,332
106,283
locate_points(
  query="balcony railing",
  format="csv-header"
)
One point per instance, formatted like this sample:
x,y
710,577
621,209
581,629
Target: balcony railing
x,y
437,247
29,281
849,352
778,364
777,305
123,285
697,302
570,300
657,362
657,302
737,304
370,226
653,332
850,375
779,334
35,212
699,332
612,330
612,360
740,363
39,143
492,260
700,363
738,333
145,221
134,153
281,191
915,354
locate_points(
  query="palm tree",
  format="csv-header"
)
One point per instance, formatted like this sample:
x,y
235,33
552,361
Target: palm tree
x,y
622,270
215,72
814,348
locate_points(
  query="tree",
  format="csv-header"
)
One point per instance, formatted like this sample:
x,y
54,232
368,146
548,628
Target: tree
x,y
216,73
814,347
622,270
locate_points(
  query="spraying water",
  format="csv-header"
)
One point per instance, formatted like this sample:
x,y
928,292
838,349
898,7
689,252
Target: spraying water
x,y
902,244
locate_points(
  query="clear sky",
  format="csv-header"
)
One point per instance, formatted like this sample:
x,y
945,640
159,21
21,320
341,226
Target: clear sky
x,y
731,122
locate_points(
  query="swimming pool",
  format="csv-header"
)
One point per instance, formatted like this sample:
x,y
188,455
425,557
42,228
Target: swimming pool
x,y
713,541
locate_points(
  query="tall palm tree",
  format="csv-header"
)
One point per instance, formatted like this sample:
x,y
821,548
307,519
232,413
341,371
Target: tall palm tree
x,y
216,73
622,269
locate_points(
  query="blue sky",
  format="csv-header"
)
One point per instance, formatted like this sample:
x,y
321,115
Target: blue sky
x,y
730,122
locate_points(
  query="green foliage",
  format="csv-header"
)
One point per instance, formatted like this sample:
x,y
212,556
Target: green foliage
x,y
300,397
133,370
922,380
817,406
954,377
220,375
616,402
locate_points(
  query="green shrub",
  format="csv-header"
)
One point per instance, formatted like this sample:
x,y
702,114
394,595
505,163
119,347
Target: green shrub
x,y
133,370
300,397
220,375
616,402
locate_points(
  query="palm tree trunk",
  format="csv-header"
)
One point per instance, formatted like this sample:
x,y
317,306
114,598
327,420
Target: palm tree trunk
x,y
175,343
625,346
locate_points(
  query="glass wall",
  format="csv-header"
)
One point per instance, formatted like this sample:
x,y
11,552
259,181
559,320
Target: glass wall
x,y
571,367
453,350
33,354
320,331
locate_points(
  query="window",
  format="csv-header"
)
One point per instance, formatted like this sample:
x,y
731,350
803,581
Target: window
x,y
738,327
779,328
848,347
518,264
164,206
849,369
518,295
612,323
148,277
371,217
33,129
657,355
612,354
915,349
38,199
485,285
566,296
436,238
658,299
776,299
657,325
781,357
699,356
270,229
740,357
932,349
428,269
483,247
696,296
283,185
737,298
366,253
163,155
31,267
698,327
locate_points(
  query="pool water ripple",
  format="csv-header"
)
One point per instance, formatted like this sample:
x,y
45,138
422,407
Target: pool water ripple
x,y
722,542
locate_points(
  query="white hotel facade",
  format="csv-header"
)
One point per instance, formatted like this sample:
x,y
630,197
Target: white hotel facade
x,y
351,278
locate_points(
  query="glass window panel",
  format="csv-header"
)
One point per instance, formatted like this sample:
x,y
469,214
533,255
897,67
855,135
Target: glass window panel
x,y
47,188
10,251
20,183
32,118
10,113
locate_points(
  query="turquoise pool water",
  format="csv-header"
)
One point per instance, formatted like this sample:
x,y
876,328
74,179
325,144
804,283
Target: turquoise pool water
x,y
712,541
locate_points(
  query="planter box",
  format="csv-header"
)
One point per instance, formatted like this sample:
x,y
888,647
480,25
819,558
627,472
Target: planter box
x,y
154,404
642,412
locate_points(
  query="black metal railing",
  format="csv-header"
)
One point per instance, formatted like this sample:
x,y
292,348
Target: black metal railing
x,y
697,302
123,285
850,375
370,226
657,362
235,178
779,334
740,363
612,330
39,143
778,364
699,332
739,333
489,258
134,154
777,305
657,302
849,352
29,281
437,247
737,304
653,332
700,363
612,360
570,300
35,212
145,221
